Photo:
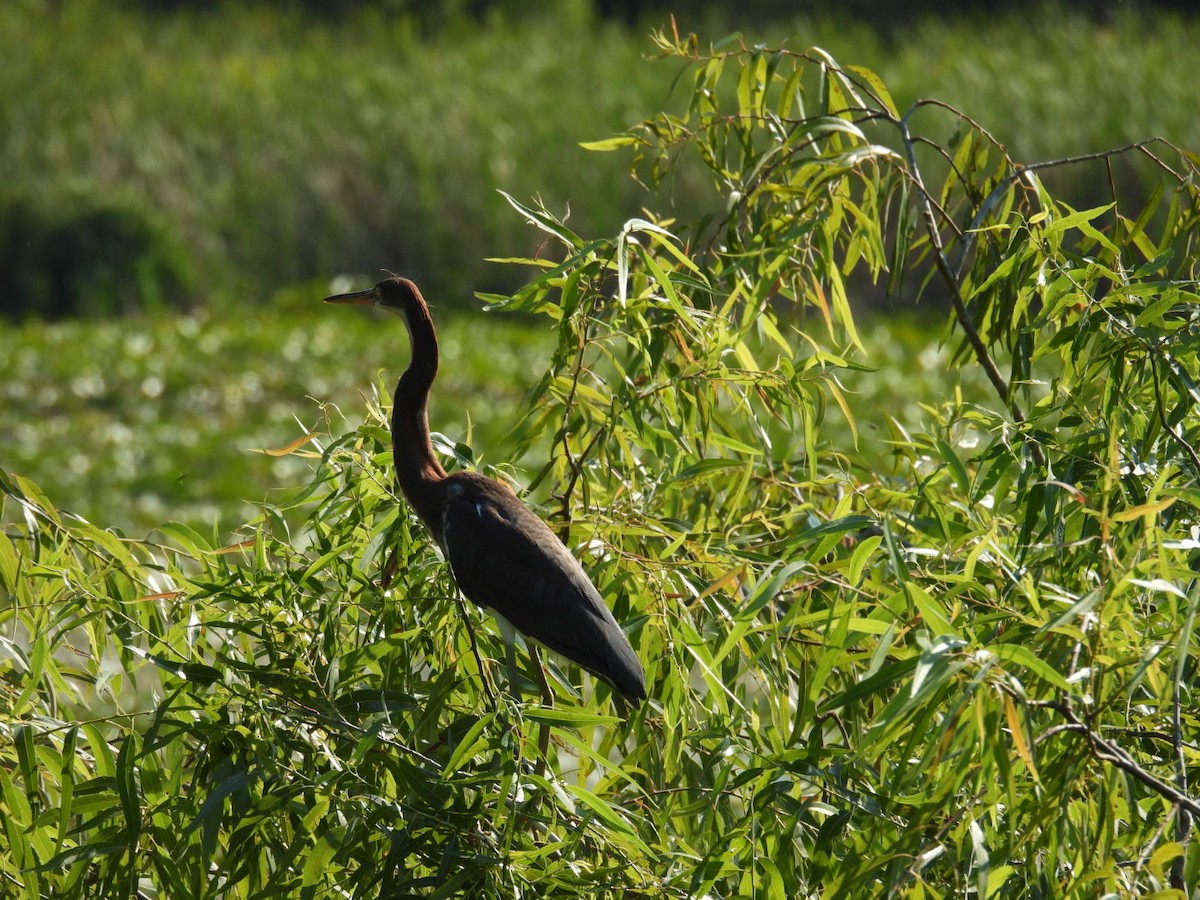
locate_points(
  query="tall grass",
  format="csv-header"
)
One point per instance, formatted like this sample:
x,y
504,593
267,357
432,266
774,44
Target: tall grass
x,y
278,149
261,148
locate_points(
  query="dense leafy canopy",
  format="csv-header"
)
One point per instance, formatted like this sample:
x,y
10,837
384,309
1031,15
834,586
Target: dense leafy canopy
x,y
973,671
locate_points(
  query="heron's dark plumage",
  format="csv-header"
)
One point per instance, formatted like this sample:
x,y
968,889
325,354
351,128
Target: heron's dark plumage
x,y
507,559
503,557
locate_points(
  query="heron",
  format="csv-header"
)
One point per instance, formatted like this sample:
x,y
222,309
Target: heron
x,y
502,556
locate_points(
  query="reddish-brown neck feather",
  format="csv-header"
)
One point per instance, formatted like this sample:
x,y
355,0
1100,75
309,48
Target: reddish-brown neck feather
x,y
417,469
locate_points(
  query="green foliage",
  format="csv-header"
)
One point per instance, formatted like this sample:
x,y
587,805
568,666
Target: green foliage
x,y
970,670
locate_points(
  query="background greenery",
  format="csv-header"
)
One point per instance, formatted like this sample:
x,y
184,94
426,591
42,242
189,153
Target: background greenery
x,y
904,634
212,158
129,422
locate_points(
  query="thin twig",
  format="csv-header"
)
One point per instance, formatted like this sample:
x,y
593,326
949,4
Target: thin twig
x,y
1184,818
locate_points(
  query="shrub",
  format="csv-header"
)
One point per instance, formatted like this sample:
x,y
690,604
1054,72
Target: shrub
x,y
86,257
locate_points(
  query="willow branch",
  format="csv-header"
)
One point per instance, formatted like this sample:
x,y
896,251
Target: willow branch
x,y
960,305
1106,751
1021,170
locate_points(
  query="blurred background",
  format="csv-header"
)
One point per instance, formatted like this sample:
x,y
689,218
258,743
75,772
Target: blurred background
x,y
183,181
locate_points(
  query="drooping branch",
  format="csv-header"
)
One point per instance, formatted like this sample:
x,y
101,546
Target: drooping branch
x,y
1022,170
956,297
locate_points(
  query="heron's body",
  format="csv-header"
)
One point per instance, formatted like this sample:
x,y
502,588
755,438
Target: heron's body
x,y
503,557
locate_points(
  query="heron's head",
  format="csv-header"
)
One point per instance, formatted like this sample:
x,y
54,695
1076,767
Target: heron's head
x,y
396,294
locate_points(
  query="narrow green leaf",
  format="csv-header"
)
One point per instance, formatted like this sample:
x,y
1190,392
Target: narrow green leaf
x,y
932,612
542,221
9,564
68,858
569,717
861,556
38,657
27,763
608,816
211,809
66,784
316,864
890,675
1022,656
127,787
956,466
877,88
101,752
468,746
609,144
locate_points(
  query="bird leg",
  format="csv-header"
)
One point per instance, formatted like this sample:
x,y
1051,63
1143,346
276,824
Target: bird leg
x,y
484,675
548,700
514,678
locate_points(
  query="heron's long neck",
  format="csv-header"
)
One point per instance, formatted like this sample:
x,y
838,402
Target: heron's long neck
x,y
417,469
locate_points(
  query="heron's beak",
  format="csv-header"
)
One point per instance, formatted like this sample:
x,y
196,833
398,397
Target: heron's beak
x,y
369,297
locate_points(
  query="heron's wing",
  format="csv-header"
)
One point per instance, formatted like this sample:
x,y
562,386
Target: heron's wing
x,y
507,559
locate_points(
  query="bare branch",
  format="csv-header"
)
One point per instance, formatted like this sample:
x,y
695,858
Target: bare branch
x,y
1106,751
